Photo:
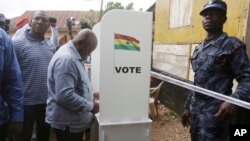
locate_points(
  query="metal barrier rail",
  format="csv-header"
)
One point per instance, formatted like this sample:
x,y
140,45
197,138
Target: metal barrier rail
x,y
201,90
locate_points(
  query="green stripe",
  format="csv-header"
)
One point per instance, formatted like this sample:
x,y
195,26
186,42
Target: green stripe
x,y
127,47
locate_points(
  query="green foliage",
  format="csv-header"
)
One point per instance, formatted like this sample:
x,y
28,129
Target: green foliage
x,y
90,18
130,6
117,5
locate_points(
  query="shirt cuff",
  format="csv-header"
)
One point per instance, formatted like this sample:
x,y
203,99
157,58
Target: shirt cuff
x,y
16,116
90,106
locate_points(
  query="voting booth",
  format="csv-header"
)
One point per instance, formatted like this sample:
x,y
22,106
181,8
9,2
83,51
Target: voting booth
x,y
95,61
120,70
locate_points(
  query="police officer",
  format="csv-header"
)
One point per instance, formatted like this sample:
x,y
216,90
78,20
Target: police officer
x,y
217,61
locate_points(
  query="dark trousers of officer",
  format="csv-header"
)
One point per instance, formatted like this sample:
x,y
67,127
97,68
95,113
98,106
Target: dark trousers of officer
x,y
65,135
35,113
210,133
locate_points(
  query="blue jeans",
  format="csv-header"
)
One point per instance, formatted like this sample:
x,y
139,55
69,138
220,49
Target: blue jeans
x,y
36,113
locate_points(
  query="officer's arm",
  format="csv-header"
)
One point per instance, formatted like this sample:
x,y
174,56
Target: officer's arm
x,y
240,66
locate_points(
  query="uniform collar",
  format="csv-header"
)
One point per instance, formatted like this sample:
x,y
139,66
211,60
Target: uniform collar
x,y
215,40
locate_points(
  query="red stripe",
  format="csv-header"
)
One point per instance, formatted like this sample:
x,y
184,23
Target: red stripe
x,y
22,22
234,50
125,37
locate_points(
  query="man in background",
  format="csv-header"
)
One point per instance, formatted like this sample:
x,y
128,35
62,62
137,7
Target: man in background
x,y
24,25
34,53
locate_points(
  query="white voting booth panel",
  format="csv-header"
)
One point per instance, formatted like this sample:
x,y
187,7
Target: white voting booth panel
x,y
95,61
124,95
125,39
128,132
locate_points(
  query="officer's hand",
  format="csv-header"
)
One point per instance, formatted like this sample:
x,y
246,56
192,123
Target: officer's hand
x,y
185,118
95,108
16,130
225,111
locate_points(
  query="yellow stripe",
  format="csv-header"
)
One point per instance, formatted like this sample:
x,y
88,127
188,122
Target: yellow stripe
x,y
124,42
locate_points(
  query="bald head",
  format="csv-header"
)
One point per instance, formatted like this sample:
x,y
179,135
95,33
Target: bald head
x,y
85,42
40,13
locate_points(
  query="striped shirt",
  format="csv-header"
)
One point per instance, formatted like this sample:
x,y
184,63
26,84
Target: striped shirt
x,y
34,57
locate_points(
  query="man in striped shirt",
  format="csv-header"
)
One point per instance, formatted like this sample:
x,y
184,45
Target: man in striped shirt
x,y
34,52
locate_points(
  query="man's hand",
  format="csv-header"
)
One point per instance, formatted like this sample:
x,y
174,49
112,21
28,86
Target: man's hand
x,y
96,96
16,130
95,108
185,118
52,21
225,111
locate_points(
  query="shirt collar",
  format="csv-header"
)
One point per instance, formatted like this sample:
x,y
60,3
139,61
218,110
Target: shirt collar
x,y
215,40
74,51
29,36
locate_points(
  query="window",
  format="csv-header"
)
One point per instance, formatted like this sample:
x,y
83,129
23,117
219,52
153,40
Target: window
x,y
180,13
